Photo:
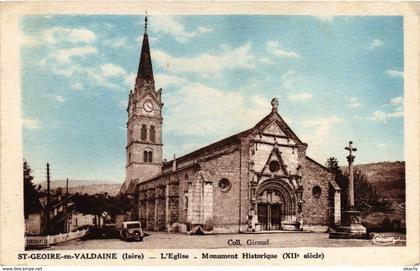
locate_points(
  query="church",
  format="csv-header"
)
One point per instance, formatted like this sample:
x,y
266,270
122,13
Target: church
x,y
258,180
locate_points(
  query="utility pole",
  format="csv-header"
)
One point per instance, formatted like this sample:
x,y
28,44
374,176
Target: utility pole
x,y
47,208
66,206
48,185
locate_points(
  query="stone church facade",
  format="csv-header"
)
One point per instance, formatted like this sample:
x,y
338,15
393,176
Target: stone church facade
x,y
258,180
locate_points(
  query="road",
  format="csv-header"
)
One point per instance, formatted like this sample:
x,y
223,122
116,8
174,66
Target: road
x,y
162,240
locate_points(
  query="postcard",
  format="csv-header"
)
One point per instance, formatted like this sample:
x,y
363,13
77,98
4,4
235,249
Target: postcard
x,y
209,133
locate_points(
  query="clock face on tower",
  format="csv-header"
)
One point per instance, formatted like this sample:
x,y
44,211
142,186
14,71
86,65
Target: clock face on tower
x,y
148,106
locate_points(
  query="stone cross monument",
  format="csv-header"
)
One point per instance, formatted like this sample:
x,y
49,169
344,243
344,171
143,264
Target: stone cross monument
x,y
351,226
350,159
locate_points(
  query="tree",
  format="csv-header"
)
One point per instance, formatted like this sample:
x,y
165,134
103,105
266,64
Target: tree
x,y
367,195
30,194
332,165
99,203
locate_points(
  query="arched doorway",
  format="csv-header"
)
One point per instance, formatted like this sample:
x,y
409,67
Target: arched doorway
x,y
276,204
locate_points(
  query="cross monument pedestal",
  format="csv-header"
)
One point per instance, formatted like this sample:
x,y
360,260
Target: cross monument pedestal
x,y
351,226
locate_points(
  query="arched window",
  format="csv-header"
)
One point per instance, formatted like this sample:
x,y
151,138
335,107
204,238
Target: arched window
x,y
152,134
150,157
143,132
185,202
145,156
129,157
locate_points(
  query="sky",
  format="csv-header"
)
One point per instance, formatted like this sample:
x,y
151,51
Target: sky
x,y
336,78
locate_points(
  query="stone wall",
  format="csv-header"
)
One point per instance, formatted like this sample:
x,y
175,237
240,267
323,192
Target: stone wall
x,y
159,202
160,208
190,196
201,202
172,204
245,186
150,209
184,188
143,171
316,209
226,202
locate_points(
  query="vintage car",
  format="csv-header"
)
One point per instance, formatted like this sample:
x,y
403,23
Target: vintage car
x,y
131,231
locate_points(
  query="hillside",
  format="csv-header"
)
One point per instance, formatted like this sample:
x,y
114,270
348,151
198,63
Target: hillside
x,y
388,177
86,187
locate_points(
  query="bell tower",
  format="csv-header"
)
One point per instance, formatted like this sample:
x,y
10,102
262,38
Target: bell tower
x,y
144,126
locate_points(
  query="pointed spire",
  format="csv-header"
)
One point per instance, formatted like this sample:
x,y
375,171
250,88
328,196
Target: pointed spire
x,y
145,23
145,71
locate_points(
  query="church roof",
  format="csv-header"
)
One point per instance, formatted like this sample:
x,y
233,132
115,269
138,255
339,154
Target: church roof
x,y
145,71
197,153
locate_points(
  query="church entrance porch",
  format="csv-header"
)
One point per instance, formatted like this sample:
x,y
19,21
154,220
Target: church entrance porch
x,y
276,206
269,216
